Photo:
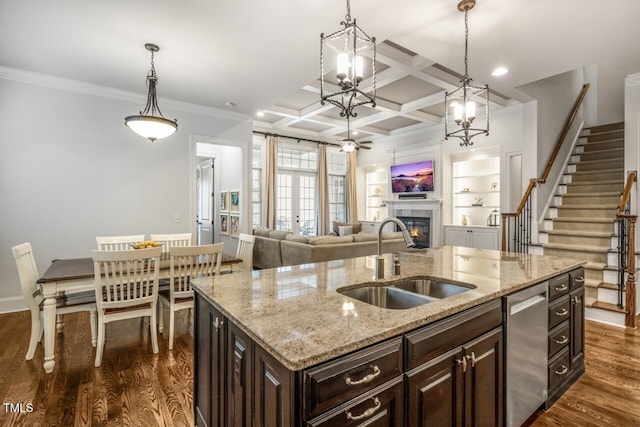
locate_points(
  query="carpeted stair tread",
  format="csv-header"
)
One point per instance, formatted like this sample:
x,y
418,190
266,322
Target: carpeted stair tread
x,y
601,194
604,151
579,233
606,181
604,127
592,283
605,285
582,207
588,162
582,219
576,248
593,265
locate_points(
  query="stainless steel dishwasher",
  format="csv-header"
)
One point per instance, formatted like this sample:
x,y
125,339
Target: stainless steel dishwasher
x,y
526,325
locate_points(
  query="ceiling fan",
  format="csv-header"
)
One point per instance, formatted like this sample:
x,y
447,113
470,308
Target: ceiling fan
x,y
349,144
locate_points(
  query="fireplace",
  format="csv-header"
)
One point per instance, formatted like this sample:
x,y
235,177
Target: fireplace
x,y
419,228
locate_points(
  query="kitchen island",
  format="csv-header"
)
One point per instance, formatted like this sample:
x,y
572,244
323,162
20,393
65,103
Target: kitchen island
x,y
285,347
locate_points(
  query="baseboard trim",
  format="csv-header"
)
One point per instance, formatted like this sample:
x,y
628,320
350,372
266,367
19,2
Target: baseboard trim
x,y
12,304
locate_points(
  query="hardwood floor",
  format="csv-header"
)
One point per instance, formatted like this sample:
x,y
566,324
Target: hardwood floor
x,y
134,387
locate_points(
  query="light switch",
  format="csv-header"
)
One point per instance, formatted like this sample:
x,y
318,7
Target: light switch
x,y
177,217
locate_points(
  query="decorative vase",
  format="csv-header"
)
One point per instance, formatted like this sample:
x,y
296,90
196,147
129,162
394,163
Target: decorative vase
x,y
463,220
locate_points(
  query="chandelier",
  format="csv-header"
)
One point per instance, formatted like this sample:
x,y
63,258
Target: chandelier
x,y
150,123
345,49
465,105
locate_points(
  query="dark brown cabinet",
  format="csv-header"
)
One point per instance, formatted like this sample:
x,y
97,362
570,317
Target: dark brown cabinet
x,y
462,386
239,350
274,388
209,382
566,332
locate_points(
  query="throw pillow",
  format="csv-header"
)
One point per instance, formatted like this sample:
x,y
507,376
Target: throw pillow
x,y
345,230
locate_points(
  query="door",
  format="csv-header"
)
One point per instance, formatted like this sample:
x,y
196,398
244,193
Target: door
x,y
296,204
204,202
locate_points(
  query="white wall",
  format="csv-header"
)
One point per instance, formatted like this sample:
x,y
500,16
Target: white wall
x,y
71,170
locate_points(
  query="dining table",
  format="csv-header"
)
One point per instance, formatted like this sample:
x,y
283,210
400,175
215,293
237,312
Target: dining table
x,y
77,275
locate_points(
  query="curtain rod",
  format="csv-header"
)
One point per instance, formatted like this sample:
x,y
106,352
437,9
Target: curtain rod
x,y
266,134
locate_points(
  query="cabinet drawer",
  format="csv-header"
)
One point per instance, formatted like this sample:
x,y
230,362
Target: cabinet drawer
x,y
430,341
559,337
337,381
382,406
559,369
559,310
576,278
558,286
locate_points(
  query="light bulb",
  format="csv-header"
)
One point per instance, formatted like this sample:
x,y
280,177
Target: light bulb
x,y
470,111
342,66
457,113
358,69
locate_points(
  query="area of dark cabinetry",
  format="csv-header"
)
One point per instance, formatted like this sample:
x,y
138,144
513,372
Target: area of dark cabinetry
x,y
209,381
275,399
239,357
566,332
464,384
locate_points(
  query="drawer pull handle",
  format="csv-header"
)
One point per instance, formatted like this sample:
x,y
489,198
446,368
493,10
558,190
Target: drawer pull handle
x,y
564,340
579,279
561,288
367,413
562,312
365,379
563,371
463,362
473,359
218,324
577,300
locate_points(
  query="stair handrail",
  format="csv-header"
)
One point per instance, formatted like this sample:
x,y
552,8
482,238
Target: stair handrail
x,y
533,182
627,252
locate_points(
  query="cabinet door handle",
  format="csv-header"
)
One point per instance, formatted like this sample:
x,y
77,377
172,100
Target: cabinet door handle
x,y
218,324
564,340
579,279
577,300
365,379
561,288
473,359
367,413
562,371
463,362
562,312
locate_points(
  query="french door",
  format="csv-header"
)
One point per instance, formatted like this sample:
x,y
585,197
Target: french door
x,y
296,204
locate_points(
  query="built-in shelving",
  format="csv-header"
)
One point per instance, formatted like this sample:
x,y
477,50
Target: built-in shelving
x,y
376,192
475,180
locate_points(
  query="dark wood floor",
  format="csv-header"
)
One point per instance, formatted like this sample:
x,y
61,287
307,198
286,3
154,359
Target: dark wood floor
x,y
134,387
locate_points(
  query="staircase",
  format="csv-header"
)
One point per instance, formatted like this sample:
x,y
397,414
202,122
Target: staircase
x,y
581,221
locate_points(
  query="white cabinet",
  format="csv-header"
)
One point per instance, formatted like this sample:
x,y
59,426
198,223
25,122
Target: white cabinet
x,y
472,237
376,192
476,189
374,226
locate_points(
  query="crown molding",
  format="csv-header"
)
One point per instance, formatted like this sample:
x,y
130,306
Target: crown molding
x,y
76,86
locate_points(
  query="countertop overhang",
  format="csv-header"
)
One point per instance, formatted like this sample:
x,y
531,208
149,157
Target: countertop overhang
x,y
296,314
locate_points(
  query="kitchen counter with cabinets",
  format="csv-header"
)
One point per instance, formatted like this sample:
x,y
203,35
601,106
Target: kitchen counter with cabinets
x,y
284,347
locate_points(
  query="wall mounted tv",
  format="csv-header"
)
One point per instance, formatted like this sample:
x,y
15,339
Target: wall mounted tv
x,y
412,177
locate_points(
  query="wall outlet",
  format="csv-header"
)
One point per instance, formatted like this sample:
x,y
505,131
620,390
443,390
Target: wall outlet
x,y
177,217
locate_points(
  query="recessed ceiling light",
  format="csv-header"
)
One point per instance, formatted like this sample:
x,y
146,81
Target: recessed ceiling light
x,y
229,104
500,71
260,114
355,132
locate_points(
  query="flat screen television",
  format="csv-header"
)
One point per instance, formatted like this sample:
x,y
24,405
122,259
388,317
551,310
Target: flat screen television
x,y
412,177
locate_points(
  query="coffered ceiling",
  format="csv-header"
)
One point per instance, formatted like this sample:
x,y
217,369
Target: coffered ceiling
x,y
264,55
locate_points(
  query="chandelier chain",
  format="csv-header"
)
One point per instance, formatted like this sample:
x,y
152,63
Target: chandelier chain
x,y
348,16
466,44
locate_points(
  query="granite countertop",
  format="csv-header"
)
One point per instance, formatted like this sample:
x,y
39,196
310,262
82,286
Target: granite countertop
x,y
296,314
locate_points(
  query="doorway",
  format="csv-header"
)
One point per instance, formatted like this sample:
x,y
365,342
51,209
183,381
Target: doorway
x,y
205,223
296,204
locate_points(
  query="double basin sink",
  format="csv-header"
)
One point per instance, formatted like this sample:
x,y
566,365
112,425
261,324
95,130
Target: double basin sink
x,y
404,294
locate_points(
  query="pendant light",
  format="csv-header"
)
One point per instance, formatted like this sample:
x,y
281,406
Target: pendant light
x,y
466,105
150,123
353,54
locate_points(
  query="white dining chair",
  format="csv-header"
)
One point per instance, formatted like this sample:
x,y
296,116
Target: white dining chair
x,y
126,288
68,303
245,251
172,240
186,263
118,243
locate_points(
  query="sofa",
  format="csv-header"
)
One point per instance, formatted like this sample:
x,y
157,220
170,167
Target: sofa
x,y
278,248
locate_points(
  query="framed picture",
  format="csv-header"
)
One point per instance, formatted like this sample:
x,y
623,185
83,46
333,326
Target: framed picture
x,y
235,201
224,224
224,201
234,225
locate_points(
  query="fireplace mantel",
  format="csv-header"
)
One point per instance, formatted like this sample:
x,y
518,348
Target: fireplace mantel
x,y
405,207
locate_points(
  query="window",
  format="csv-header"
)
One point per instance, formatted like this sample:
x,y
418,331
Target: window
x,y
256,186
337,169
